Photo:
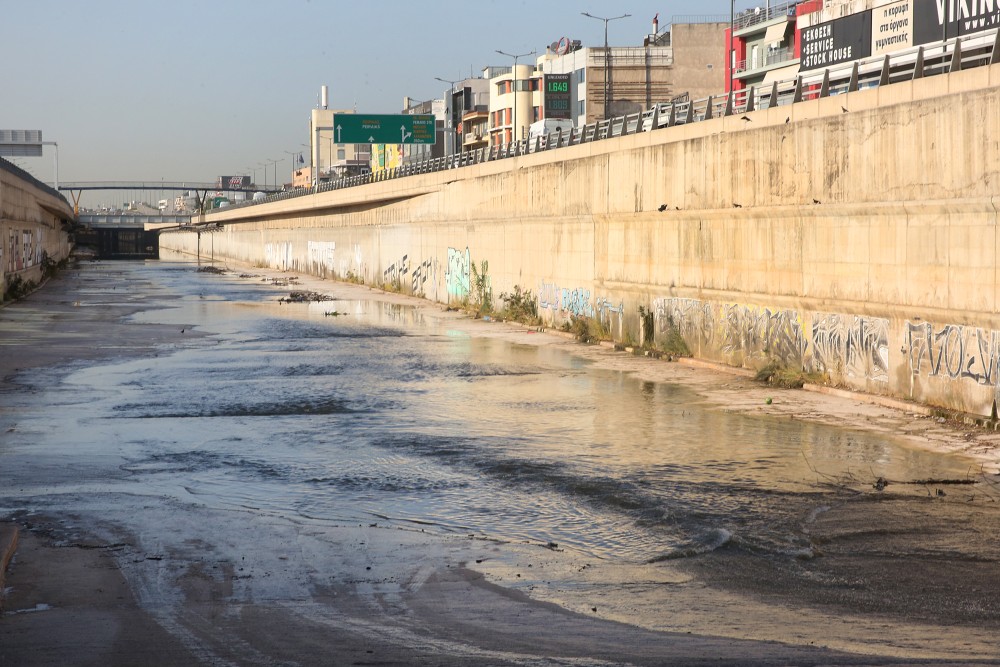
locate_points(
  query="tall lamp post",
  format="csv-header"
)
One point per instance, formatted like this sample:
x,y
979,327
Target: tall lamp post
x,y
451,112
513,83
607,55
293,156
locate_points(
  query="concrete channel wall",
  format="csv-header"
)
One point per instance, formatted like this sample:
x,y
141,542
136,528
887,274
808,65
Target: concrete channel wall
x,y
854,235
34,225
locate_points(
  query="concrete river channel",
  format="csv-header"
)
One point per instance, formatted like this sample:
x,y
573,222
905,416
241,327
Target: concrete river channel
x,y
430,486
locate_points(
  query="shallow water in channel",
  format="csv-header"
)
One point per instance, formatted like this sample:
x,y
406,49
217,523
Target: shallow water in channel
x,y
388,414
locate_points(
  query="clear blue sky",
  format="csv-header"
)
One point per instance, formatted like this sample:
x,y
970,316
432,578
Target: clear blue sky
x,y
184,90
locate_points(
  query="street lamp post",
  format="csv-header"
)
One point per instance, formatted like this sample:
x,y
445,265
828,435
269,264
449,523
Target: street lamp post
x,y
280,159
450,114
607,55
291,156
513,83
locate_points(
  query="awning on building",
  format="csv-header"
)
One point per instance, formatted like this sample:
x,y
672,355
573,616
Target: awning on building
x,y
776,32
780,74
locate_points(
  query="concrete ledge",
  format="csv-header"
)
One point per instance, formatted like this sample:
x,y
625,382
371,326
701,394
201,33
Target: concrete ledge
x,y
875,399
711,365
8,545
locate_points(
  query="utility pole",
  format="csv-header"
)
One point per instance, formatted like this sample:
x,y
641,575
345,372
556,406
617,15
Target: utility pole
x,y
607,56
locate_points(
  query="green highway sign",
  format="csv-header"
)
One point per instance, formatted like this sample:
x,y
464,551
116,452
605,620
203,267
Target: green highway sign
x,y
360,128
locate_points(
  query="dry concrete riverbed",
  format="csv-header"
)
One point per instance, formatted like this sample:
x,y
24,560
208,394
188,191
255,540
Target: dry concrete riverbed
x,y
205,470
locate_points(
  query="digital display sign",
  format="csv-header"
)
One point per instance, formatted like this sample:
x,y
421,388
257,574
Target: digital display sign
x,y
557,96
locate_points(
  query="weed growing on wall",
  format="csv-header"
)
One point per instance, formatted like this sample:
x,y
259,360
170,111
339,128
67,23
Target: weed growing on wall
x,y
673,343
777,374
587,329
520,306
482,293
17,288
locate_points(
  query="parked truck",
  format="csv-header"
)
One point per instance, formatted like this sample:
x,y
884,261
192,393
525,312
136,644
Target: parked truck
x,y
548,126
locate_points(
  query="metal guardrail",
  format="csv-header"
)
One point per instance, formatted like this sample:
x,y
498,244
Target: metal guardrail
x,y
951,56
104,220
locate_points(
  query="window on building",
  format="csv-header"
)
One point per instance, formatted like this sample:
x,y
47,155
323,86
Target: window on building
x,y
507,113
341,154
581,75
535,114
581,107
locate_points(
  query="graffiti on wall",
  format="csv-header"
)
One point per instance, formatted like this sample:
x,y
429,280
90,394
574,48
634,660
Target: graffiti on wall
x,y
854,345
457,276
576,302
955,351
421,274
397,271
610,314
24,249
321,257
695,320
761,332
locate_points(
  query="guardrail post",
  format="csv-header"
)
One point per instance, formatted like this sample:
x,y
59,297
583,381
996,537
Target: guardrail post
x,y
918,67
956,58
995,56
824,88
883,79
728,111
852,85
797,97
655,118
672,116
773,100
690,113
750,105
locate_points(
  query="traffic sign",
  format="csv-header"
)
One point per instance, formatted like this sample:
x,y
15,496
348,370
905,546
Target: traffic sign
x,y
360,128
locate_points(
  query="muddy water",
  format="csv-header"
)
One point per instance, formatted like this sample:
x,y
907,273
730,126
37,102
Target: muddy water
x,y
667,511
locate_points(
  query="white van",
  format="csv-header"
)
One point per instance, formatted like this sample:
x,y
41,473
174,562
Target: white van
x,y
541,128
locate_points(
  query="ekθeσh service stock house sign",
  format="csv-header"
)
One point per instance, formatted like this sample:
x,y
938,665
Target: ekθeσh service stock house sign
x,y
893,26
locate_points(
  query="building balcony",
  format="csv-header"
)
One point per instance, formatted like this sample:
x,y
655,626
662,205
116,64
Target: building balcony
x,y
770,59
752,20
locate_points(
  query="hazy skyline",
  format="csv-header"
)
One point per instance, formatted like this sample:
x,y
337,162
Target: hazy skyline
x,y
191,91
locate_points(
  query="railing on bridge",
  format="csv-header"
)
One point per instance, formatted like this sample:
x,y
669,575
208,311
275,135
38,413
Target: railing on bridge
x,y
950,56
164,185
131,221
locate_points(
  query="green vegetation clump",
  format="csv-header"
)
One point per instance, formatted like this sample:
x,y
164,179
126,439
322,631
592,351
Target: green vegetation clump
x,y
673,343
587,329
520,306
17,288
778,374
481,299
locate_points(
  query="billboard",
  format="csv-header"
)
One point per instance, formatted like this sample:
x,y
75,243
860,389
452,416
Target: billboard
x,y
20,143
557,101
839,41
892,26
934,20
233,182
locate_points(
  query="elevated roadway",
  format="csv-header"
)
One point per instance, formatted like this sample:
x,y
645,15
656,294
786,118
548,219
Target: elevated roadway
x,y
852,229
